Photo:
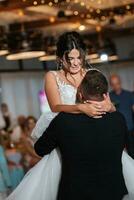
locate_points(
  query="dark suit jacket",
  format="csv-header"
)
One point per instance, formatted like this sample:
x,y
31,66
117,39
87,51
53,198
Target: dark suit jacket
x,y
91,151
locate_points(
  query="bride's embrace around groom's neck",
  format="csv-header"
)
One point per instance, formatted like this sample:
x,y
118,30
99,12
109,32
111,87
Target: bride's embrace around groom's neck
x,y
91,149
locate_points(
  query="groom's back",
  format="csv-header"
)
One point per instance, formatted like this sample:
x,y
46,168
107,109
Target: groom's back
x,y
91,152
86,139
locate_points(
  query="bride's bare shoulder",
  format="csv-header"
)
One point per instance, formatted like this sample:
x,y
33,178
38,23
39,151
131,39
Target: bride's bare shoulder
x,y
50,75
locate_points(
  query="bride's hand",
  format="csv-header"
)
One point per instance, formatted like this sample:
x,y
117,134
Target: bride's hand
x,y
93,109
106,104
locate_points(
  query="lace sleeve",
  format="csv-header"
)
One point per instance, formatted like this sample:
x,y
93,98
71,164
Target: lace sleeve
x,y
41,125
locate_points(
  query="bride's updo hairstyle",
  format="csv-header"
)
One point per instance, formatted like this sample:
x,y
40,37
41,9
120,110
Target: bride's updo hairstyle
x,y
93,87
67,42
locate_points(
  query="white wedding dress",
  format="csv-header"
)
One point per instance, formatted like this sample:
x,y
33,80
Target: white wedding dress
x,y
41,182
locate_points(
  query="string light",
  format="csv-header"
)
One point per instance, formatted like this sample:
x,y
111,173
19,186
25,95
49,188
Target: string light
x,y
76,12
52,19
129,13
128,7
35,3
50,3
82,15
87,7
98,11
103,18
91,10
98,28
88,16
99,2
20,13
42,1
82,3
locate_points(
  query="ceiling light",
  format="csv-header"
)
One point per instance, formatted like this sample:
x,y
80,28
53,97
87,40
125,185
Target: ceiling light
x,y
25,55
47,58
112,58
3,52
82,27
92,56
98,60
104,57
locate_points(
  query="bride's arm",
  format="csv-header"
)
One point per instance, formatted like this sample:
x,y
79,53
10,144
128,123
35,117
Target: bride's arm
x,y
56,105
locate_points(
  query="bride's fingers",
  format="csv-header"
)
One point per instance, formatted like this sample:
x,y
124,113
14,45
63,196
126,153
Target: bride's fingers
x,y
106,96
99,108
92,102
98,104
97,117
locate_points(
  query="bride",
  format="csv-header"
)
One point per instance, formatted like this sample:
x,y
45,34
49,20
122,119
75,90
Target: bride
x,y
41,182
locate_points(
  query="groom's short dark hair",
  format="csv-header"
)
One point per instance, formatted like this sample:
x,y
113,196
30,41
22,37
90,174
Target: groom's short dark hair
x,y
93,86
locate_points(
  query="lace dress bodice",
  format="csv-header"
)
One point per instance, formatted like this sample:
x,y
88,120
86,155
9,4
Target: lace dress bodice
x,y
67,91
68,96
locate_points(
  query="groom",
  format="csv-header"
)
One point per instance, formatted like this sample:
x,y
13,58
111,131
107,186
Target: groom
x,y
91,149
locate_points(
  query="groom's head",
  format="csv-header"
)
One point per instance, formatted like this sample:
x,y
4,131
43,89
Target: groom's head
x,y
93,87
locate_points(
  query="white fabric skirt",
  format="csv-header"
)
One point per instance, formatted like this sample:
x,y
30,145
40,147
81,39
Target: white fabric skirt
x,y
42,181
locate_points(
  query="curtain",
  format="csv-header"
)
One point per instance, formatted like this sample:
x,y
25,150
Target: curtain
x,y
20,92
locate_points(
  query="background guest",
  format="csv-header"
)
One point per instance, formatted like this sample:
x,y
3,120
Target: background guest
x,y
30,158
124,102
19,129
14,158
30,124
7,117
2,121
5,181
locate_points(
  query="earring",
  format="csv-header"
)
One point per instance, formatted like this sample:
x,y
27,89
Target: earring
x,y
59,65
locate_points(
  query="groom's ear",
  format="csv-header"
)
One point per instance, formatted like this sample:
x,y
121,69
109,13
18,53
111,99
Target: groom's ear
x,y
79,97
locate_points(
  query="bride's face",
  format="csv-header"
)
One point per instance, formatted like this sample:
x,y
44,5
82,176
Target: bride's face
x,y
74,63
